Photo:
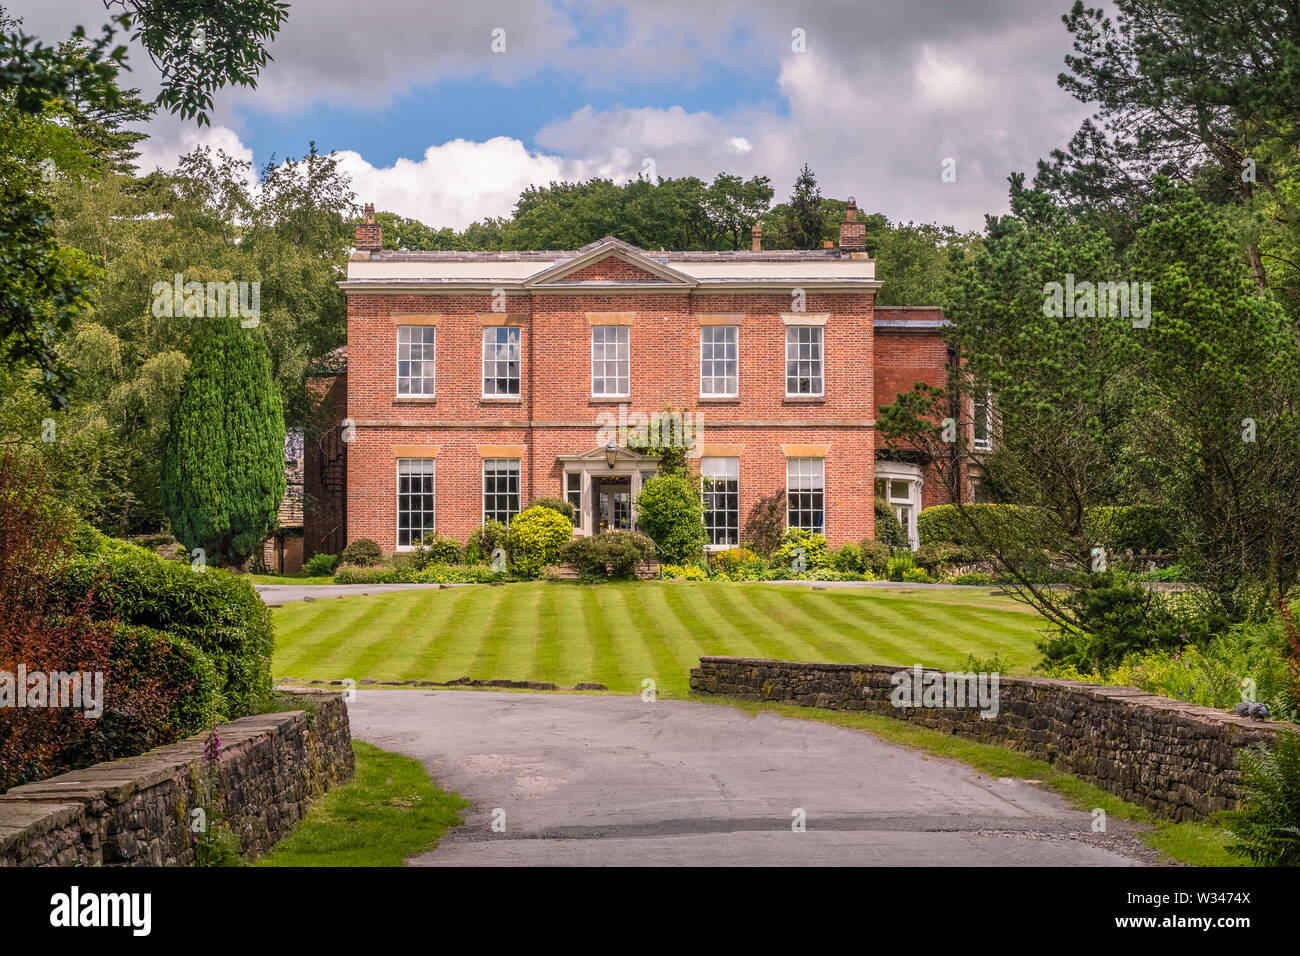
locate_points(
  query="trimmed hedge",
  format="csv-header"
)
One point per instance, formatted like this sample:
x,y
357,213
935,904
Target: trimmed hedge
x,y
408,574
1141,528
215,611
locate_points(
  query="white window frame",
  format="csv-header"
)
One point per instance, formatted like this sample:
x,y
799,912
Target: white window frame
x,y
985,443
397,364
788,463
519,479
627,334
704,473
518,378
798,331
911,478
577,506
735,340
432,466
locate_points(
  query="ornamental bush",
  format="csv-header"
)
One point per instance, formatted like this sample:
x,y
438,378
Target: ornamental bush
x,y
216,611
874,555
613,554
671,512
319,564
362,551
888,530
561,505
535,539
812,544
485,539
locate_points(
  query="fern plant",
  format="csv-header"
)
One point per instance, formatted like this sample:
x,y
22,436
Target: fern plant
x,y
1266,830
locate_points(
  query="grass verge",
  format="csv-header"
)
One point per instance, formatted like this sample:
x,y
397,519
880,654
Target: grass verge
x,y
1194,844
387,813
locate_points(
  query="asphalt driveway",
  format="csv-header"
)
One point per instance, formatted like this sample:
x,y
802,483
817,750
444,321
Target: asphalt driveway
x,y
603,780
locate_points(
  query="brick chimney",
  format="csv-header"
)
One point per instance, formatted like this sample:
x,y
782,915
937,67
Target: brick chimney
x,y
853,234
757,232
370,237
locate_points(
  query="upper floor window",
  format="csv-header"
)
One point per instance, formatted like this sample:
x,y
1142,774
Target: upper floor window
x,y
805,491
501,361
500,489
719,364
610,366
415,500
803,360
720,480
415,359
982,413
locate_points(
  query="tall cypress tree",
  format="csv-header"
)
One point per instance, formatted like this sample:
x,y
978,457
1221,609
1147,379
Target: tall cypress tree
x,y
223,468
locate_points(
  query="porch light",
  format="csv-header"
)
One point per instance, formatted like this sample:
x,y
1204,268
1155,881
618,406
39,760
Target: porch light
x,y
611,454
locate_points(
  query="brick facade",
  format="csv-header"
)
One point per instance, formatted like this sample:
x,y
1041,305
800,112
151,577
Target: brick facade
x,y
664,300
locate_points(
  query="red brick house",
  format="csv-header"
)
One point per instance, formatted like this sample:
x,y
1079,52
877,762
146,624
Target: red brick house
x,y
478,381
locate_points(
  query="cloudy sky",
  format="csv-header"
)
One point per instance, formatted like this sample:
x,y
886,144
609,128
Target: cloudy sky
x,y
433,123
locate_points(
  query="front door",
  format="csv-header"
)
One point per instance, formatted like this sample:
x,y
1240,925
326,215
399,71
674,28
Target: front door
x,y
613,503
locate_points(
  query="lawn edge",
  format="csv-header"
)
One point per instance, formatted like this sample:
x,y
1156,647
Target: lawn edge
x,y
1188,843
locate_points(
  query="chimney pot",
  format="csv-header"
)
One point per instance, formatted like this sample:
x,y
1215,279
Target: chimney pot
x,y
757,233
370,213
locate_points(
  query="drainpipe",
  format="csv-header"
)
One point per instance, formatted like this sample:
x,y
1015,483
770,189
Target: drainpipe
x,y
954,409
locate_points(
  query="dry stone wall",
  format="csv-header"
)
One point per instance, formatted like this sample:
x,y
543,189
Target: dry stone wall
x,y
1176,759
137,811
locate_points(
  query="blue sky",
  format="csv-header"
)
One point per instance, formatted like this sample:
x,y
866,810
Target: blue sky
x,y
431,120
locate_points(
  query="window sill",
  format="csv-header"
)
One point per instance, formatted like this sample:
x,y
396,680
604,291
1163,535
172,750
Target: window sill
x,y
415,399
805,399
719,399
501,399
608,399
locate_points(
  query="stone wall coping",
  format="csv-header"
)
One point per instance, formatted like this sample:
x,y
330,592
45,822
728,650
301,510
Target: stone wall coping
x,y
20,821
1133,695
115,781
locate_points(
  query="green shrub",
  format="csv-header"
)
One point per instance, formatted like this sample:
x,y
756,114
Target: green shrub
x,y
319,564
561,505
932,555
535,539
440,550
812,544
731,559
847,558
362,551
1118,528
683,572
187,676
972,577
1266,829
408,574
888,531
917,576
898,565
671,512
874,555
1116,617
485,539
216,611
614,554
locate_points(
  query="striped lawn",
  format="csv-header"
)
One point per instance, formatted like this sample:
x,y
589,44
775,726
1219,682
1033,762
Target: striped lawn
x,y
620,634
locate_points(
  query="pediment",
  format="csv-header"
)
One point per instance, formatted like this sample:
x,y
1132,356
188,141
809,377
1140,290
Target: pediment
x,y
611,262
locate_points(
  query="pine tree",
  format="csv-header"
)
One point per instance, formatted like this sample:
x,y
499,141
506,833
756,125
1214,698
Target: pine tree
x,y
223,468
804,225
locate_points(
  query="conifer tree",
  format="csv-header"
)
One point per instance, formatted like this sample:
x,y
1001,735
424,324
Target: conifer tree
x,y
223,468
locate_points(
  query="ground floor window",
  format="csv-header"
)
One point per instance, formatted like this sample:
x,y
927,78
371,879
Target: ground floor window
x,y
500,489
903,493
573,495
415,500
805,492
721,486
